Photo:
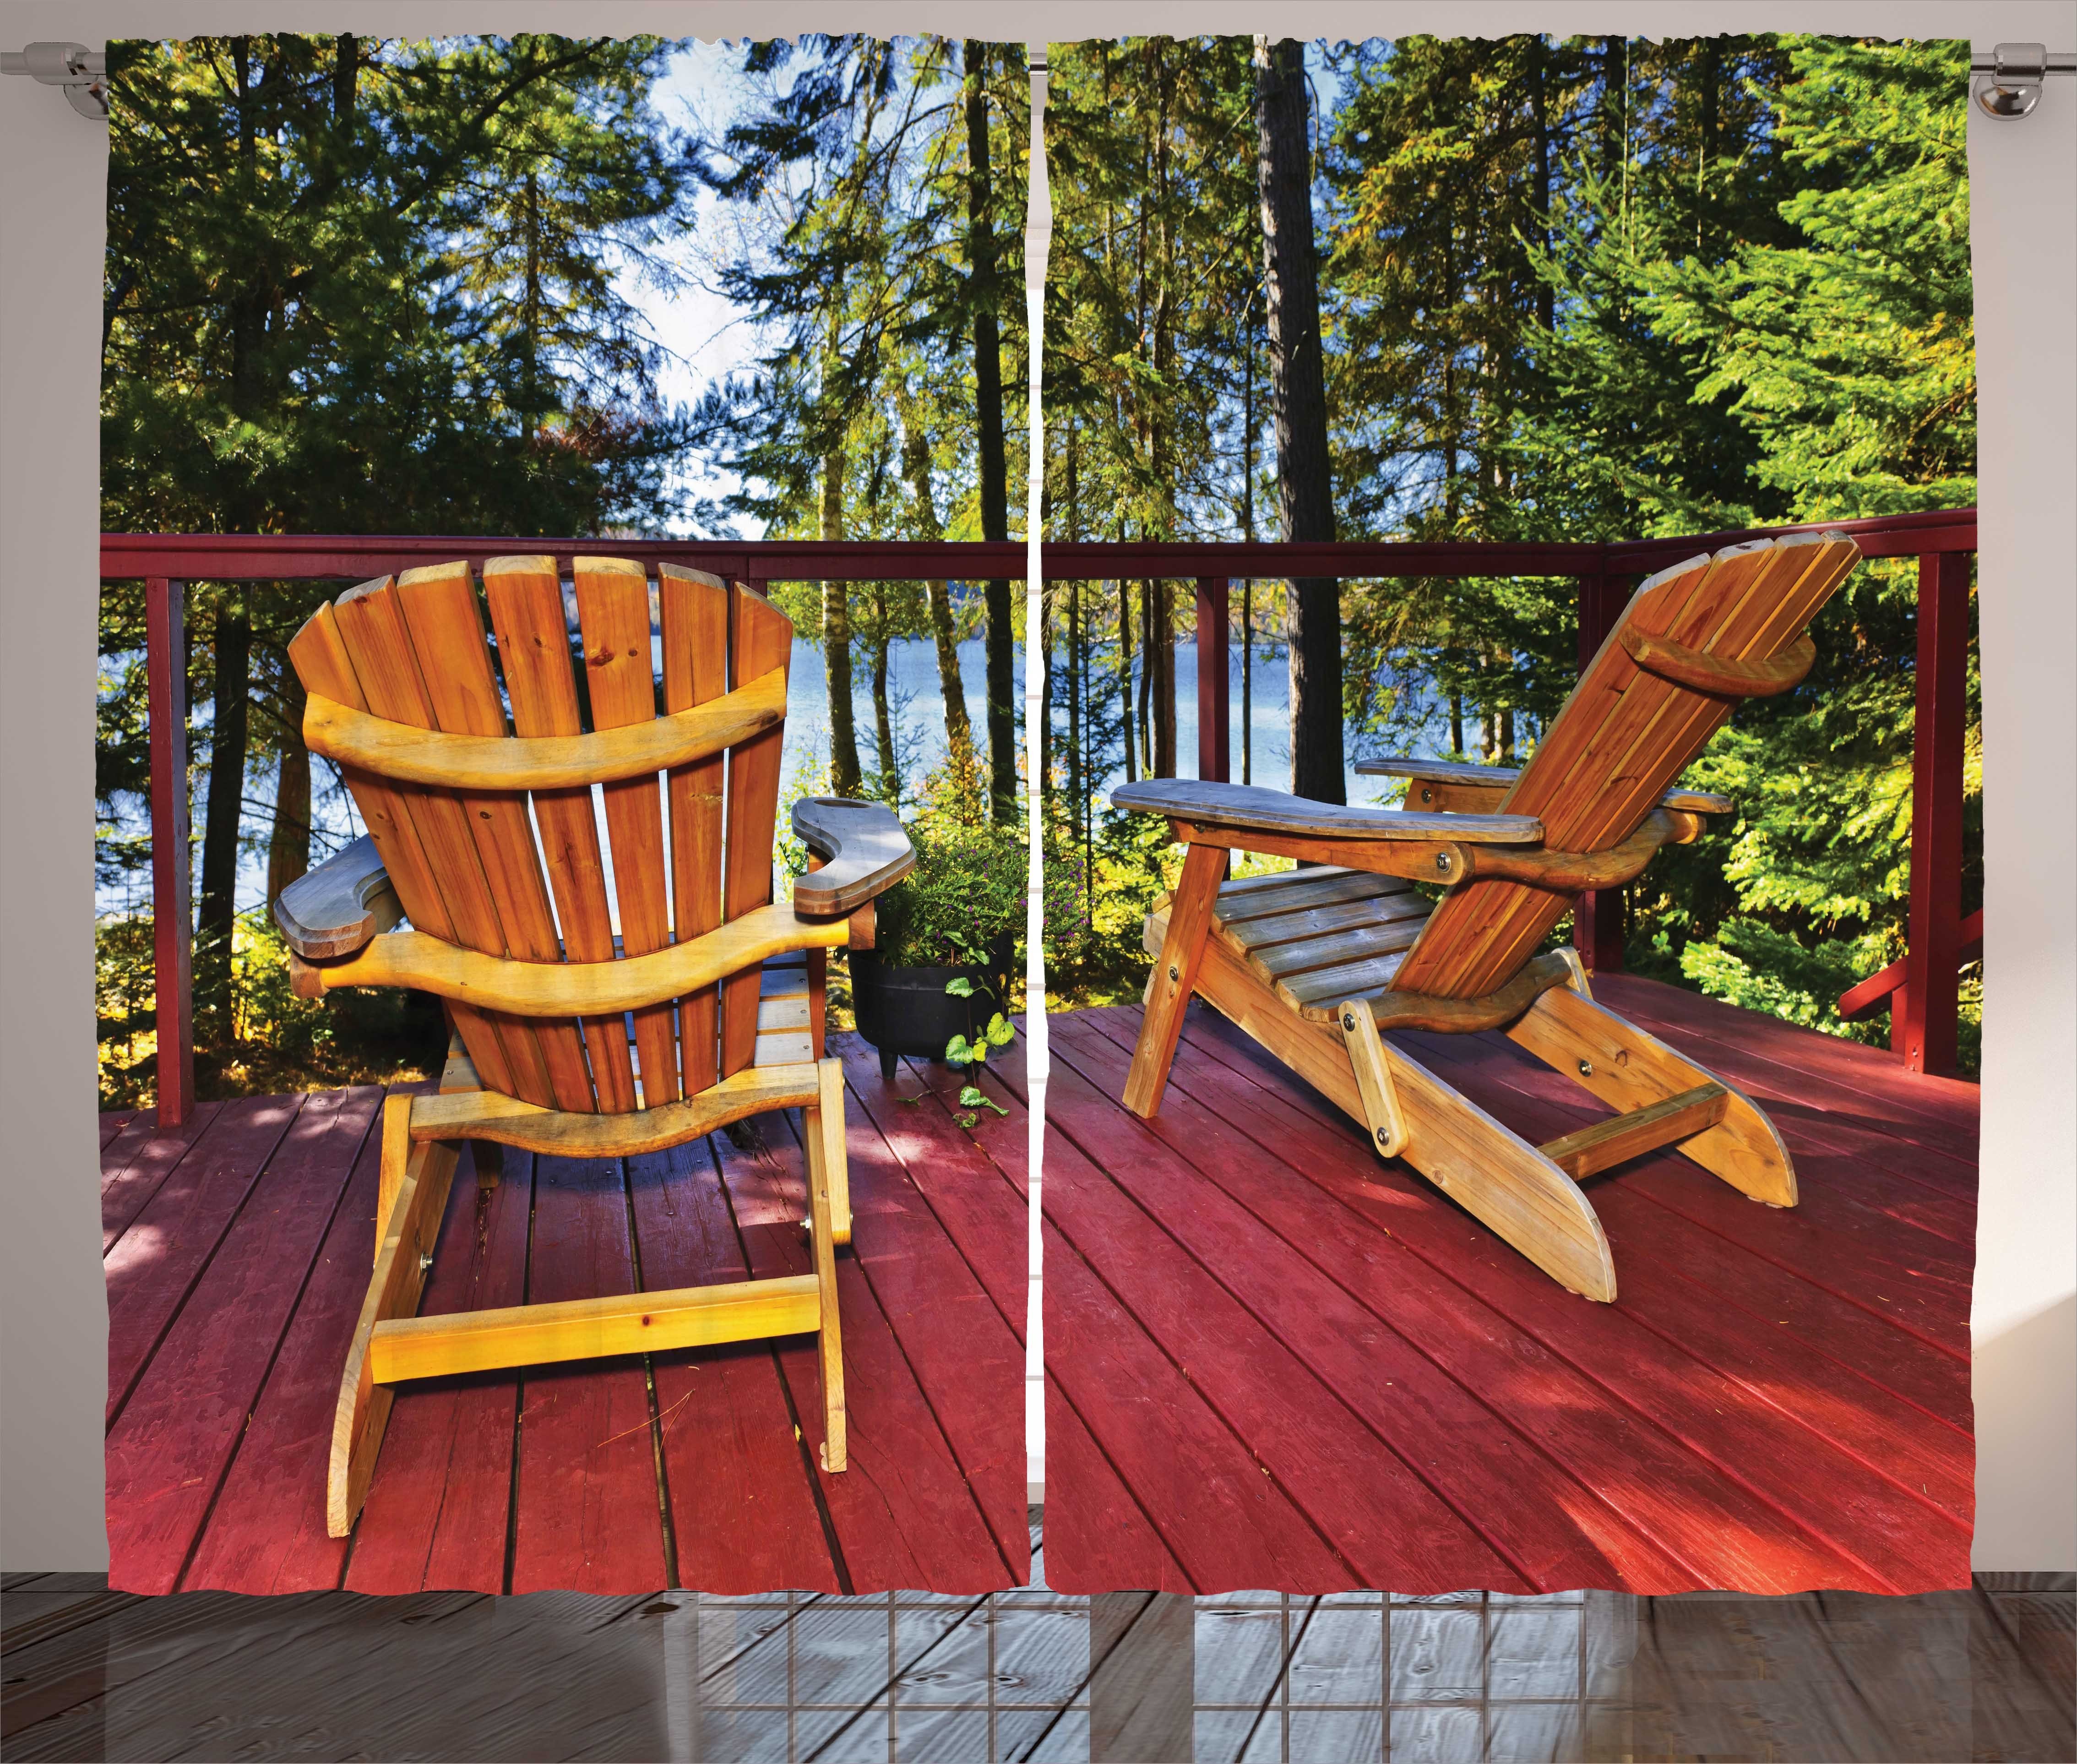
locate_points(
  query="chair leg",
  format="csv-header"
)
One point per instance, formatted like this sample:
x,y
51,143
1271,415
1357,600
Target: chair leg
x,y
1494,1175
410,1226
822,1131
1627,1069
1174,975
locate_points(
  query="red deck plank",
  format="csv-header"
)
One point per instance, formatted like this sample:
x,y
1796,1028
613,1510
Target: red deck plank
x,y
1902,1273
1095,1520
743,1507
587,1518
976,1203
168,1452
1219,1515
964,1356
1339,1463
1814,1318
440,1505
137,1160
1718,1532
266,1534
156,1261
903,1513
1502,1488
1679,1283
1866,1083
113,1122
1890,1545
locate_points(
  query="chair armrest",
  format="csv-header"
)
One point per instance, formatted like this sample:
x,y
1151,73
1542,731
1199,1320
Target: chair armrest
x,y
340,906
1463,774
1206,804
865,849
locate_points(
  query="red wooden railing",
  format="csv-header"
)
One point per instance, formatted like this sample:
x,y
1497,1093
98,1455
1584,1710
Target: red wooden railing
x,y
1922,988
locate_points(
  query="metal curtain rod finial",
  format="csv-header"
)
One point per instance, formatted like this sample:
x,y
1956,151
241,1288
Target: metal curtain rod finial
x,y
2008,80
82,72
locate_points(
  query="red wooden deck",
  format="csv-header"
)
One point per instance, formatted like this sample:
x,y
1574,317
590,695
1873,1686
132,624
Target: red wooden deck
x,y
239,1249
1277,1363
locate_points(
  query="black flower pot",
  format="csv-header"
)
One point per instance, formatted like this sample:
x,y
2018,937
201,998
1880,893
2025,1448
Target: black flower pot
x,y
907,1010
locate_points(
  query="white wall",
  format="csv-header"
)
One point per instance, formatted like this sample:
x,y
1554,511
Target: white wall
x,y
51,171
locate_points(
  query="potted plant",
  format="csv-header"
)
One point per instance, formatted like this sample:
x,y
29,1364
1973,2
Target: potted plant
x,y
937,981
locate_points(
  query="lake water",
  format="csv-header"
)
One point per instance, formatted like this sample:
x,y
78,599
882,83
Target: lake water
x,y
920,740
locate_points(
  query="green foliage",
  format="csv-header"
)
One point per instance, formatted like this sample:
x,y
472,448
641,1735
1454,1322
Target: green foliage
x,y
966,893
278,1042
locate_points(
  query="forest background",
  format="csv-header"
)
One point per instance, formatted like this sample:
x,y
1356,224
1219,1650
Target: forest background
x,y
1576,289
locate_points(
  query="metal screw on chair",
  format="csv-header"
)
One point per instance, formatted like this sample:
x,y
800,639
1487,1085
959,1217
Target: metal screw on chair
x,y
1381,1136
1442,863
1586,1068
1175,973
1348,1021
425,1260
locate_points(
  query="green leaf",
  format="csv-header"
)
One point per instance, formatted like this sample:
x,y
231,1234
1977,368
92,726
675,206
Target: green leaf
x,y
959,987
973,1096
968,1120
1000,1032
956,1048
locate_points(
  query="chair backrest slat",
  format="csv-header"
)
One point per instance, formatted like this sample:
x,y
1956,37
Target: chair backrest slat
x,y
521,873
693,611
612,615
760,640
526,597
371,623
390,811
1621,739
445,620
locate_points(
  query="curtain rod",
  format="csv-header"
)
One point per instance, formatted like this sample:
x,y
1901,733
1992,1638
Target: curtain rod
x,y
2007,82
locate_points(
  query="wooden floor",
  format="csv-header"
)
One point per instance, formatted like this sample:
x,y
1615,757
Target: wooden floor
x,y
237,1253
1035,1676
1276,1362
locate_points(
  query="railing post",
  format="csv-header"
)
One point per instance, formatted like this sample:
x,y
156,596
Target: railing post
x,y
1597,915
1923,1016
172,927
1214,739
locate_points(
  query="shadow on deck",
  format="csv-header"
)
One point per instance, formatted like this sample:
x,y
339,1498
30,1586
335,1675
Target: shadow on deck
x,y
237,1252
1275,1363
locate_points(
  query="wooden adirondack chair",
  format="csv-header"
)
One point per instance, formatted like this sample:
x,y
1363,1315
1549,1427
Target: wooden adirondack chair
x,y
706,1007
1314,963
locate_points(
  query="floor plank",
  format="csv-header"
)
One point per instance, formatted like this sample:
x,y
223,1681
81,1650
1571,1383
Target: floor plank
x,y
439,1512
266,1532
743,1516
1747,1459
957,1343
173,1441
903,1513
138,1160
587,1518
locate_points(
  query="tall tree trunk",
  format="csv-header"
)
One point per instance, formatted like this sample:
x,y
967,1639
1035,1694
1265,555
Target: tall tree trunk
x,y
1248,533
916,466
219,839
1077,803
1456,725
289,845
1146,680
844,780
992,461
1539,69
1706,147
1298,388
883,711
345,76
1164,680
1125,671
